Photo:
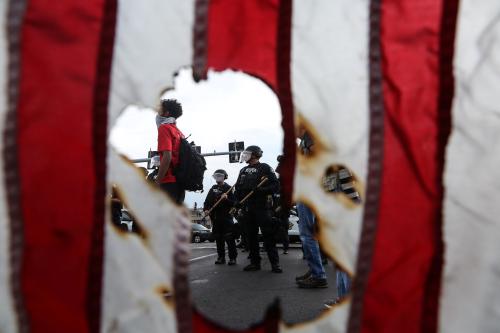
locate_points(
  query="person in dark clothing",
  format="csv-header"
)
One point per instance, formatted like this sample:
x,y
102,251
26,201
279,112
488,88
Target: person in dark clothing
x,y
281,216
257,209
222,221
281,212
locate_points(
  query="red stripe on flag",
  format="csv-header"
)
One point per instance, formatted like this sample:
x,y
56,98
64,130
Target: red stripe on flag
x,y
57,168
254,37
284,91
100,127
242,36
445,101
408,240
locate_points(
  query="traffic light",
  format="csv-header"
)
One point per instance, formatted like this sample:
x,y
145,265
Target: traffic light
x,y
237,147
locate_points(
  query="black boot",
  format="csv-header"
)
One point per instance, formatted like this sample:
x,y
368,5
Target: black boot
x,y
252,268
276,269
220,261
303,277
312,283
232,262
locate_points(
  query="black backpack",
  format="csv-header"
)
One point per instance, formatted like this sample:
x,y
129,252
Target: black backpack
x,y
189,172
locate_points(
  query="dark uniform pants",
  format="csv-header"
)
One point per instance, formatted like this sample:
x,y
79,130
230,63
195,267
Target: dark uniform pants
x,y
223,233
261,218
283,232
244,233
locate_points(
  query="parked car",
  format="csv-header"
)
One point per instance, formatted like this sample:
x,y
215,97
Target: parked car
x,y
200,234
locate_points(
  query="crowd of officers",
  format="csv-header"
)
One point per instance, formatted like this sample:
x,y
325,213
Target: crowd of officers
x,y
253,201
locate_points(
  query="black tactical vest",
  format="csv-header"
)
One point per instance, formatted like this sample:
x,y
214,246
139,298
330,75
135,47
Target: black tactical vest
x,y
250,177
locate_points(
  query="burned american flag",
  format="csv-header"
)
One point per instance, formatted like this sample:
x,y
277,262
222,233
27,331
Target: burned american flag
x,y
403,93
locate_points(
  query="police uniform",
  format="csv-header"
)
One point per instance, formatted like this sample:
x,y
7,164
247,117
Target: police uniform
x,y
257,211
222,221
281,216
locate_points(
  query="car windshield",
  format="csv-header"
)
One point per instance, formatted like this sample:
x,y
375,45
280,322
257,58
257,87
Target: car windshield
x,y
198,227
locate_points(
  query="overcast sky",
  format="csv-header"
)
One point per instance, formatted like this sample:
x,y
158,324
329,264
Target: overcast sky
x,y
228,106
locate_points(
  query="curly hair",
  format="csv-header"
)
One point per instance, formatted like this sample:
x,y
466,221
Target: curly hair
x,y
172,107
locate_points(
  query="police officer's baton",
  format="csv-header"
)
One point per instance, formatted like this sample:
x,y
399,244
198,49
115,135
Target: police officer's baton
x,y
233,210
217,203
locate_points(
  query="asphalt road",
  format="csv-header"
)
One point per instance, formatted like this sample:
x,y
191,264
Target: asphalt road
x,y
237,299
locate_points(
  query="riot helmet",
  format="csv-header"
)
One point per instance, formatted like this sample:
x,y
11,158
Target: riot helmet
x,y
220,172
255,151
220,175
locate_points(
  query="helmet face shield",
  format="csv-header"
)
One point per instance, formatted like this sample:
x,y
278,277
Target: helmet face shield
x,y
245,156
155,161
219,177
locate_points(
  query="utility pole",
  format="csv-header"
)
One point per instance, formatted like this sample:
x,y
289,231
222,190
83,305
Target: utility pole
x,y
235,150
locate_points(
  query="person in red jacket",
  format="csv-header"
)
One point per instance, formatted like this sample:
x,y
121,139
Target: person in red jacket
x,y
169,138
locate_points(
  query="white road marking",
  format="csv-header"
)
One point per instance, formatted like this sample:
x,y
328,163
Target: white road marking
x,y
204,247
203,257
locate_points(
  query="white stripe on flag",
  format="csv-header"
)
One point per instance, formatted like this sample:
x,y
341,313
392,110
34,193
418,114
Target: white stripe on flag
x,y
471,287
7,315
329,77
330,91
153,40
136,271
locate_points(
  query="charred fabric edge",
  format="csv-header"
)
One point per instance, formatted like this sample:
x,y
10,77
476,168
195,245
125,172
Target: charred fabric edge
x,y
283,49
449,15
375,159
100,123
200,32
182,295
15,17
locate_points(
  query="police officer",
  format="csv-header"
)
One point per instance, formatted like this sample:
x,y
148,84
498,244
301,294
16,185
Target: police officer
x,y
222,221
257,209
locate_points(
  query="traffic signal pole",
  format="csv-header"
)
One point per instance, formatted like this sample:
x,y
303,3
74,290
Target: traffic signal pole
x,y
146,160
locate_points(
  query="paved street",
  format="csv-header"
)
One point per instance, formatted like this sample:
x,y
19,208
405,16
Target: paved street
x,y
237,299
